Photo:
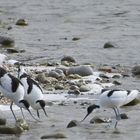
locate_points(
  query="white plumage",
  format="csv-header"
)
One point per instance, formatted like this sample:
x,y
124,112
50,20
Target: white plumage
x,y
33,91
13,89
114,99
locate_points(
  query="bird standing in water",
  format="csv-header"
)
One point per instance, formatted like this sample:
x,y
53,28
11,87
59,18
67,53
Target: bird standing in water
x,y
33,91
113,99
13,89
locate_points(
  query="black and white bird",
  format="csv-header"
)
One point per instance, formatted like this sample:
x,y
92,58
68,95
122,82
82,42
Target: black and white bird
x,y
113,99
33,91
13,89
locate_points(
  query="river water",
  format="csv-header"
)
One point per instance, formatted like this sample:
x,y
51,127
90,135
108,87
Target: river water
x,y
54,23
48,37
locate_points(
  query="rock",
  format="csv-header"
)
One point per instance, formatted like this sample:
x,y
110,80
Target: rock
x,y
10,130
15,51
99,120
136,70
115,82
80,70
22,124
54,74
74,87
54,136
84,88
2,121
73,123
74,76
59,87
75,38
6,41
109,45
123,116
22,22
134,102
68,59
105,69
41,78
75,92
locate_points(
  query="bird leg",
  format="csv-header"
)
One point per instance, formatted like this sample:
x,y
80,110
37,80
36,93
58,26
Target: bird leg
x,y
22,113
12,110
117,115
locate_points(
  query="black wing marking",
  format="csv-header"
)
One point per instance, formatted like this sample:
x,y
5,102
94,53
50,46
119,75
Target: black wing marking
x,y
111,92
31,82
15,82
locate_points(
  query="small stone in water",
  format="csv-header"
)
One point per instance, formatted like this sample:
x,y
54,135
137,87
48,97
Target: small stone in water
x,y
72,123
123,116
55,136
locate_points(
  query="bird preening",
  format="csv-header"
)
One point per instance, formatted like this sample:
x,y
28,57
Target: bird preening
x,y
113,99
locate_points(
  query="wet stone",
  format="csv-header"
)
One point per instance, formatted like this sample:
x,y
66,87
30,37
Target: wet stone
x,y
21,123
84,88
2,121
136,70
68,59
22,22
115,82
123,116
99,120
54,136
109,45
6,41
73,123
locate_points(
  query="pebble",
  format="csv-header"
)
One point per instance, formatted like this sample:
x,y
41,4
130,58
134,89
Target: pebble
x,y
22,22
136,70
68,59
99,120
109,45
6,41
54,136
73,123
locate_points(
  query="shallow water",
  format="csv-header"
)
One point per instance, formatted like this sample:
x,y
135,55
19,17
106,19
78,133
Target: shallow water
x,y
53,24
60,116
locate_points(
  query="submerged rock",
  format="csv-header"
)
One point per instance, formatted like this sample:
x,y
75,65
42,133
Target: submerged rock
x,y
22,124
22,22
109,45
2,121
136,70
54,136
99,120
72,123
123,116
6,41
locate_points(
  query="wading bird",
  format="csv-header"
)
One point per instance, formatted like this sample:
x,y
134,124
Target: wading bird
x,y
113,99
33,91
13,89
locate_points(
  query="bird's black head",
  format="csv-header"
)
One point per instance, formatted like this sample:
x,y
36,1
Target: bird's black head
x,y
42,104
24,104
90,109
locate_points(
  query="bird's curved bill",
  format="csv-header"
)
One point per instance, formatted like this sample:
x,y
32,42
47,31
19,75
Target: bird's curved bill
x,y
84,117
45,112
32,115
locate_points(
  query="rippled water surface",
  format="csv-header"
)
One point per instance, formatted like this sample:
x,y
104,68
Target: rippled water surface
x,y
53,24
